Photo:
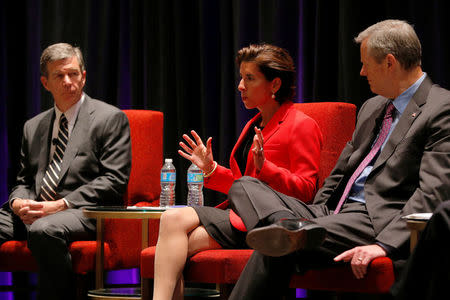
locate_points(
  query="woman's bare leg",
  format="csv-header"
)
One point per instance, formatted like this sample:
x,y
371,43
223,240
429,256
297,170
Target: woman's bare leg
x,y
198,240
178,293
179,234
171,249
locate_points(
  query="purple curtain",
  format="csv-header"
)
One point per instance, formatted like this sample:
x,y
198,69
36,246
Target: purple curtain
x,y
178,57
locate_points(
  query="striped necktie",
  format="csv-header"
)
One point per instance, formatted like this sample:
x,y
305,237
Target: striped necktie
x,y
387,122
51,178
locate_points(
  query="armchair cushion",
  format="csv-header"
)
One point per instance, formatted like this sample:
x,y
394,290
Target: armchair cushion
x,y
224,266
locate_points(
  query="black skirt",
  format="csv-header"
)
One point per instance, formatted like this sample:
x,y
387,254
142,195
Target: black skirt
x,y
217,223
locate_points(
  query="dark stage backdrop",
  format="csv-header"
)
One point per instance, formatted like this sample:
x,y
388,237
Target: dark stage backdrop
x,y
178,57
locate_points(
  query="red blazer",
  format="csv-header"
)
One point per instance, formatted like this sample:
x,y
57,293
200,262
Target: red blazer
x,y
292,144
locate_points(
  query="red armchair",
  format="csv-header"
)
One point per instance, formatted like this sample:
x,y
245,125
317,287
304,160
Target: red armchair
x,y
337,121
122,249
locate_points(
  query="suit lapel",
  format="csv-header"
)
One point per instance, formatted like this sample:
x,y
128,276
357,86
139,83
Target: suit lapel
x,y
274,124
44,130
412,111
233,163
269,130
368,133
77,137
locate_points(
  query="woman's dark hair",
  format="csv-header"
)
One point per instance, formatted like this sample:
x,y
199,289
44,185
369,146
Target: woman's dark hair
x,y
273,62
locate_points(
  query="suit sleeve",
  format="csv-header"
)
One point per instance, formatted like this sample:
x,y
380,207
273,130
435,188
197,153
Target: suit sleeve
x,y
299,178
433,183
221,180
114,165
24,187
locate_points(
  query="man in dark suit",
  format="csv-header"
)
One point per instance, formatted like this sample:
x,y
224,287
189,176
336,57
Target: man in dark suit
x,y
397,163
74,155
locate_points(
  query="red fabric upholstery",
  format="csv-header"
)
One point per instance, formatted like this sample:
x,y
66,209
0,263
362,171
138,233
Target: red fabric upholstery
x,y
379,278
337,121
122,249
16,257
224,266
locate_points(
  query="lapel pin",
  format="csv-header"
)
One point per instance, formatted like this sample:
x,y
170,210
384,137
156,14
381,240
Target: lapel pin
x,y
413,115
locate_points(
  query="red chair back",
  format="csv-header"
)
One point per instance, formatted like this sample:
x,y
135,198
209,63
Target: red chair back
x,y
124,236
336,131
146,130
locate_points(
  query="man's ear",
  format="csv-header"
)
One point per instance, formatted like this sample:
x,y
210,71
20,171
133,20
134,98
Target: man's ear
x,y
44,82
391,60
83,74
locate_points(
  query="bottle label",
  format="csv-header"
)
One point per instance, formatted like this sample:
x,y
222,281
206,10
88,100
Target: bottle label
x,y
168,177
195,178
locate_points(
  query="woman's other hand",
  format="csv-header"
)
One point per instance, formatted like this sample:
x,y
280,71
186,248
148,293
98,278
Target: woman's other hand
x,y
258,149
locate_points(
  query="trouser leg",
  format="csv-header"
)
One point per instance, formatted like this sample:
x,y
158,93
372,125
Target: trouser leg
x,y
268,277
11,227
254,201
48,240
264,277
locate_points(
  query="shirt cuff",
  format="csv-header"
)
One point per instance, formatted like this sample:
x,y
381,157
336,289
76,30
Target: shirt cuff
x,y
11,202
67,203
389,249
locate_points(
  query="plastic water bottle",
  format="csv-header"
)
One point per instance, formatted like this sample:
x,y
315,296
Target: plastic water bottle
x,y
195,186
168,179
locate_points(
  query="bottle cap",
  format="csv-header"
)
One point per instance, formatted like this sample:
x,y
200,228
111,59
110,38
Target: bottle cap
x,y
168,160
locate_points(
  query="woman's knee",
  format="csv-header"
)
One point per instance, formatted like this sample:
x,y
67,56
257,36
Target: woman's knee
x,y
180,219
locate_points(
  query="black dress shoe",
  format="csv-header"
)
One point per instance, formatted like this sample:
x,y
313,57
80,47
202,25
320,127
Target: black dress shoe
x,y
286,236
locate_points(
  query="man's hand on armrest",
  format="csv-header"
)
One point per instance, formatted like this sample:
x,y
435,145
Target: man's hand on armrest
x,y
360,258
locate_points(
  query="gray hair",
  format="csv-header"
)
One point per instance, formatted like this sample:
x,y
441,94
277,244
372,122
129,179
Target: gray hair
x,y
57,52
394,37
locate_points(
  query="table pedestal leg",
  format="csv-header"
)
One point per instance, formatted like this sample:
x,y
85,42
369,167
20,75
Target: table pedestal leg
x,y
99,261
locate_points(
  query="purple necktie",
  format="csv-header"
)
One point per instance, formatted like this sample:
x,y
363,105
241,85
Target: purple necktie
x,y
387,122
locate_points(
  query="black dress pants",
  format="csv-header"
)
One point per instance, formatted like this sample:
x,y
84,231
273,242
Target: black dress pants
x,y
48,239
268,277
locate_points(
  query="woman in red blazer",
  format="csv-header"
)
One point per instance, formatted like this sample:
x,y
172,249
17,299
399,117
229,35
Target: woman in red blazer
x,y
280,146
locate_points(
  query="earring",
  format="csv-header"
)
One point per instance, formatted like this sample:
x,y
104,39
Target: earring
x,y
273,96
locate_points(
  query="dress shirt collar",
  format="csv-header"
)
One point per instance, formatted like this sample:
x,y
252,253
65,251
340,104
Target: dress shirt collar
x,y
71,114
403,99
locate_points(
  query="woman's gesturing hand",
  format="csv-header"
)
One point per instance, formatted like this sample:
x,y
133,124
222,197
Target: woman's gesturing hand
x,y
258,149
197,152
